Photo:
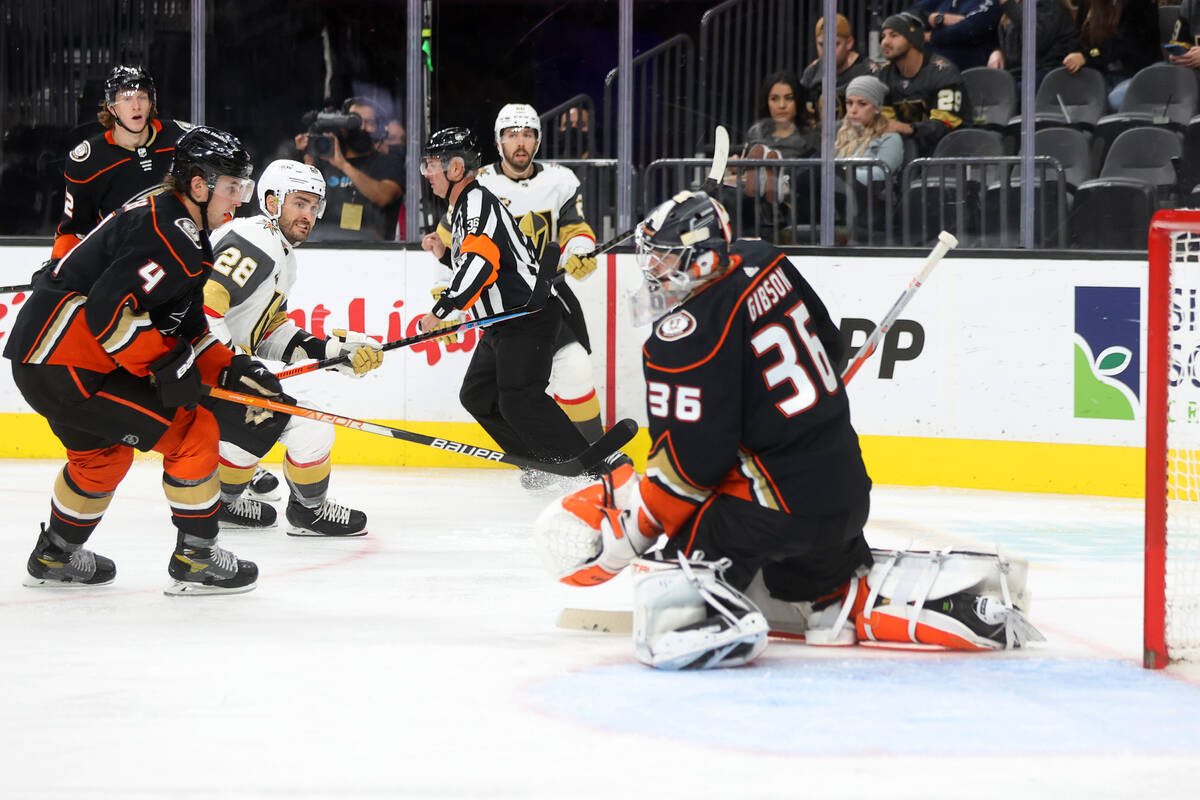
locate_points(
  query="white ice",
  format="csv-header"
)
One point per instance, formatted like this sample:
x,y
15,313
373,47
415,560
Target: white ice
x,y
423,661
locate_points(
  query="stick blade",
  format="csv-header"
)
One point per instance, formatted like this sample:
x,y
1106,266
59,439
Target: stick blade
x,y
613,440
597,620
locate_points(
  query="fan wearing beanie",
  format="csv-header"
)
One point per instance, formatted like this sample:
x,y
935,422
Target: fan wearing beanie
x,y
864,132
925,93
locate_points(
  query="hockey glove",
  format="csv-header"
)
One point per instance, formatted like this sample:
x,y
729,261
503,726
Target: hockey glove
x,y
244,374
575,259
456,317
362,353
177,378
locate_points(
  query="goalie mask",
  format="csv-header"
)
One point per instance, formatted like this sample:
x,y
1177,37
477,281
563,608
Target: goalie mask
x,y
283,177
518,115
681,245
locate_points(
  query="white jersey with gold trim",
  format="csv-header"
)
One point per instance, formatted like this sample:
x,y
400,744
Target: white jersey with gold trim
x,y
542,204
245,299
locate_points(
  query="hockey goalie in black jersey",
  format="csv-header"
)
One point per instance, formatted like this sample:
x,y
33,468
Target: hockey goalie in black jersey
x,y
754,477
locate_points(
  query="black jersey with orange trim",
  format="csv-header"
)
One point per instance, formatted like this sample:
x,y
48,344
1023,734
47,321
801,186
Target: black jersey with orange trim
x,y
743,397
101,176
124,296
495,264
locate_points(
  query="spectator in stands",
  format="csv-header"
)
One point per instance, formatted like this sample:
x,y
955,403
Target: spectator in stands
x,y
1187,31
1056,37
1118,38
573,131
864,131
363,184
963,31
783,130
926,96
848,62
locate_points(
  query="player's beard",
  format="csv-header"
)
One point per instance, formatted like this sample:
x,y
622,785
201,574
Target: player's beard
x,y
292,231
519,160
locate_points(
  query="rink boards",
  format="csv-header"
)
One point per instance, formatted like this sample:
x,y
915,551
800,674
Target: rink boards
x,y
1014,374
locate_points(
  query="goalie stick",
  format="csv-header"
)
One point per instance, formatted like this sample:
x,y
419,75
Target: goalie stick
x,y
589,459
602,621
946,243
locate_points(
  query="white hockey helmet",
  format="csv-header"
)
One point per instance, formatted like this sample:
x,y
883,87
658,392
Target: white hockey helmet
x,y
519,115
284,176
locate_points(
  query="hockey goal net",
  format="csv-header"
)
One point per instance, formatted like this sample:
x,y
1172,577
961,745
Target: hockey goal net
x,y
1172,582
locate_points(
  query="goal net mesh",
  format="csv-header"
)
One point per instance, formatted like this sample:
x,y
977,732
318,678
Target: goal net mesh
x,y
1182,559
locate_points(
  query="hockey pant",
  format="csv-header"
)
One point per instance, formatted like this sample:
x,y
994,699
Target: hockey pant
x,y
801,558
100,418
504,389
306,464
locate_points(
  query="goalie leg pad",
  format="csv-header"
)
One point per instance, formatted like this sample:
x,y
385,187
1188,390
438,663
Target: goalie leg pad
x,y
958,601
685,616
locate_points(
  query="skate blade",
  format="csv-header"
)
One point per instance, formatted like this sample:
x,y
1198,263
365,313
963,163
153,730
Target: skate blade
x,y
186,589
294,531
50,583
269,497
234,526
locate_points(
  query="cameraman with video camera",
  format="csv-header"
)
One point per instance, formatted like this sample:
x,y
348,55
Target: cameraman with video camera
x,y
363,185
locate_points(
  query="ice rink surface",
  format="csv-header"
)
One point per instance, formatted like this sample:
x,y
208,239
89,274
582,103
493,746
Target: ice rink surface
x,y
423,661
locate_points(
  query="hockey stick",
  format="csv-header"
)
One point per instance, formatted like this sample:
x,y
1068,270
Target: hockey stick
x,y
720,158
715,173
946,243
23,287
541,291
602,448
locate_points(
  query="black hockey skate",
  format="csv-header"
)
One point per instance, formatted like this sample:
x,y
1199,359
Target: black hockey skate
x,y
327,519
973,611
53,566
264,486
201,566
245,514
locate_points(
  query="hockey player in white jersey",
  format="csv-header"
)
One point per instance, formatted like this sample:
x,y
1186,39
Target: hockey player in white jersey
x,y
547,204
246,302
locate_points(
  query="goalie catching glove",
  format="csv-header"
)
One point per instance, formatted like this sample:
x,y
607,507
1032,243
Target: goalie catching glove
x,y
362,353
590,535
244,374
576,259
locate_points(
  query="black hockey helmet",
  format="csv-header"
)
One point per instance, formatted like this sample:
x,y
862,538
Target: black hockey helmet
x,y
454,142
213,153
124,77
692,226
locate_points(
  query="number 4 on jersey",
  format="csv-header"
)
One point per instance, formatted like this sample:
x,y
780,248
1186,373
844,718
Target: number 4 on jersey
x,y
151,274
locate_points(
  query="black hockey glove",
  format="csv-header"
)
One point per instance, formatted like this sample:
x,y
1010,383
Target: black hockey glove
x,y
244,374
177,378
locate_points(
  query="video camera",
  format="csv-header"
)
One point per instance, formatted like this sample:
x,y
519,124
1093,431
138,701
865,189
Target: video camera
x,y
323,126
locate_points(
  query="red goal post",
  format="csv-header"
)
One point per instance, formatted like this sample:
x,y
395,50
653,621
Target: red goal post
x,y
1172,496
